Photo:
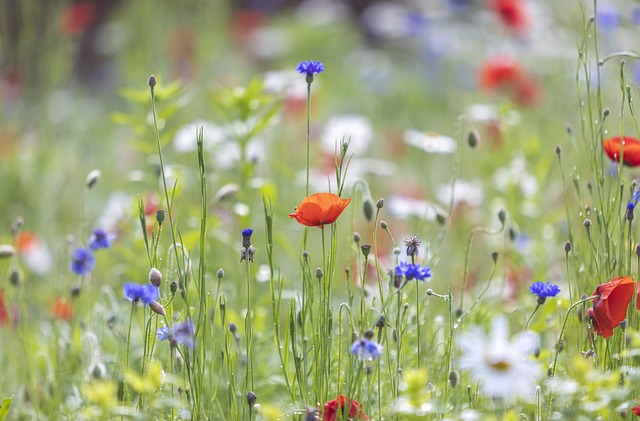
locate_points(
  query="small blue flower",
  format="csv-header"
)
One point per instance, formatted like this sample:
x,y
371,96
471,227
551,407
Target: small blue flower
x,y
544,290
83,261
181,333
246,237
366,349
310,68
411,271
100,239
136,292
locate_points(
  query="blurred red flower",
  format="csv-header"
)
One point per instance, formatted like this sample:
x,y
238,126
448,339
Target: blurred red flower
x,y
62,309
636,410
513,14
628,148
331,409
4,314
78,17
319,209
611,308
504,74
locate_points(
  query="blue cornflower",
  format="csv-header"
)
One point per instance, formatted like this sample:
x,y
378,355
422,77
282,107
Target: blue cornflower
x,y
246,237
413,271
366,349
248,250
310,68
100,239
181,333
83,261
136,292
544,290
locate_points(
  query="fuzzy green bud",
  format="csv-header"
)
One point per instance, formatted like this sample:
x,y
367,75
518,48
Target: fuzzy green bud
x,y
367,207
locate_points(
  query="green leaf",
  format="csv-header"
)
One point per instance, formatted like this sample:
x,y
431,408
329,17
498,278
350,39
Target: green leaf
x,y
4,408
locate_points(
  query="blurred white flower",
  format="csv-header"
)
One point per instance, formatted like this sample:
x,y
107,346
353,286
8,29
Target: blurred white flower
x,y
119,208
469,192
430,142
501,366
515,175
403,207
485,113
348,126
185,138
387,20
285,82
35,253
322,12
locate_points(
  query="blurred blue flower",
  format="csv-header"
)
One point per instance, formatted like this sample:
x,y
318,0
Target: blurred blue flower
x,y
635,15
366,349
83,261
181,333
544,290
607,17
310,68
413,271
100,239
136,292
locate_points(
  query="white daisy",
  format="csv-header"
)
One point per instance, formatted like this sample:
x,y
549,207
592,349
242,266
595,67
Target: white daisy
x,y
501,366
469,192
430,142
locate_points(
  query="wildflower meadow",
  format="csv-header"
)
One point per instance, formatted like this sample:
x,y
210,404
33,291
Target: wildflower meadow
x,y
319,210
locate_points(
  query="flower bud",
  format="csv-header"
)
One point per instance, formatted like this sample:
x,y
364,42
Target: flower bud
x,y
368,334
473,138
384,225
356,237
251,398
160,216
152,81
157,308
567,246
319,273
92,178
155,277
453,378
380,203
220,273
233,328
173,287
367,207
502,215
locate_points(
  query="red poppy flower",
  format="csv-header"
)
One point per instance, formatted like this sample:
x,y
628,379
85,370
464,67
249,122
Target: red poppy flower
x,y
611,308
636,410
499,72
629,149
319,209
332,408
513,14
4,314
79,17
62,309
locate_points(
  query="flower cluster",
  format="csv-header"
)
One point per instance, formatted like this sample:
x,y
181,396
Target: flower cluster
x,y
182,333
544,290
83,261
413,271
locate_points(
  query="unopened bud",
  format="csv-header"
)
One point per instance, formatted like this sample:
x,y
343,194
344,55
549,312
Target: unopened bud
x,y
155,277
367,207
319,273
6,251
152,81
92,178
368,334
380,203
14,277
558,150
587,223
157,308
606,112
173,287
502,215
567,246
384,225
220,273
473,138
233,328
494,256
251,398
453,378
160,216
356,237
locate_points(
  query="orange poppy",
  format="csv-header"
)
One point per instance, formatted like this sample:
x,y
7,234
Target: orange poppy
x,y
62,309
629,148
331,409
319,209
611,308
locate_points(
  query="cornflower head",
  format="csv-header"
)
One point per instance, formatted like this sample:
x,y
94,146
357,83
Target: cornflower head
x,y
248,250
413,271
182,333
310,68
83,261
136,292
544,290
100,239
412,245
366,349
